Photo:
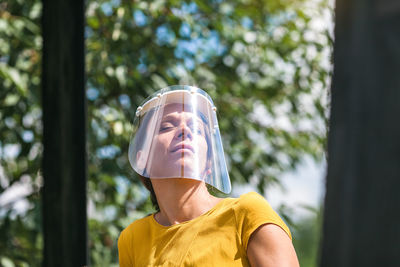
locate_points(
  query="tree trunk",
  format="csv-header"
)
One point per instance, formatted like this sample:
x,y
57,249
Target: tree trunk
x,y
362,206
64,134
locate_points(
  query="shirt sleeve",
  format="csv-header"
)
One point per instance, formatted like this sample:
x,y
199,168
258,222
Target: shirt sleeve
x,y
124,250
253,211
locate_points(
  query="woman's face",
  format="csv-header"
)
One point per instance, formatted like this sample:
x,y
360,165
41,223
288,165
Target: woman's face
x,y
179,147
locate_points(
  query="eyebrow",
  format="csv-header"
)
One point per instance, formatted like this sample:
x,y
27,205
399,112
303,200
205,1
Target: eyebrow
x,y
171,117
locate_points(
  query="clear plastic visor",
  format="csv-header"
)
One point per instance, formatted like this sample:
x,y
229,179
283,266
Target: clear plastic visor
x,y
176,135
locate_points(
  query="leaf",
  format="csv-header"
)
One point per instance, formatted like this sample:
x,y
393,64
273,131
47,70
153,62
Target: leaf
x,y
15,77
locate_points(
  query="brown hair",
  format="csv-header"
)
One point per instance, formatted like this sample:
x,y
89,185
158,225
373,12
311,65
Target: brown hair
x,y
149,186
142,127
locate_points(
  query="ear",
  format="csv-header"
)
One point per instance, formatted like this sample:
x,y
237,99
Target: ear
x,y
207,171
208,166
141,160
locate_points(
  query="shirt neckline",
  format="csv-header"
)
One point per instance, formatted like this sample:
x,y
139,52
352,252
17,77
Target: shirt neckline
x,y
153,219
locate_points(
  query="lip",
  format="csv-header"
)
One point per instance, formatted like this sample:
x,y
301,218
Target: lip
x,y
182,147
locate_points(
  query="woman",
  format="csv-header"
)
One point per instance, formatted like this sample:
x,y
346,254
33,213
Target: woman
x,y
177,152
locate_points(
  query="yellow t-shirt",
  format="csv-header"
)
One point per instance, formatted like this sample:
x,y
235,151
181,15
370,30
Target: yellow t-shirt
x,y
218,237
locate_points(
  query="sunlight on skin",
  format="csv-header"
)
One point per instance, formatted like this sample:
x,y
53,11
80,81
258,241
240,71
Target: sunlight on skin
x,y
270,246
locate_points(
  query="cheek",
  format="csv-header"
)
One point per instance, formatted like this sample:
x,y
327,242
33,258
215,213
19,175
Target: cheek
x,y
204,149
162,142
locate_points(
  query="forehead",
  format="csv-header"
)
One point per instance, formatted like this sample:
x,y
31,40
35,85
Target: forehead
x,y
172,112
177,110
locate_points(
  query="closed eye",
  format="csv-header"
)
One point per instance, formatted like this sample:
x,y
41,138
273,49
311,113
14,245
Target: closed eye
x,y
165,127
198,129
199,132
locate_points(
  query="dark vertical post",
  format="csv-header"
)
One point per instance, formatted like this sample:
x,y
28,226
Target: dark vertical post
x,y
362,206
64,134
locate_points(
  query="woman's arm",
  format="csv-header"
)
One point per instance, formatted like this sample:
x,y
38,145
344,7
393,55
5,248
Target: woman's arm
x,y
270,246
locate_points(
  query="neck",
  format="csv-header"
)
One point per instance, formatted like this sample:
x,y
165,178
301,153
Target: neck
x,y
181,200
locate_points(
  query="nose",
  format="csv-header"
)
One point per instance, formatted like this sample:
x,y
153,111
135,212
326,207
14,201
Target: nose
x,y
184,132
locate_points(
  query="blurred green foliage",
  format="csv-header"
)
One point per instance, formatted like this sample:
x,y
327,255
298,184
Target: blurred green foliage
x,y
264,63
306,233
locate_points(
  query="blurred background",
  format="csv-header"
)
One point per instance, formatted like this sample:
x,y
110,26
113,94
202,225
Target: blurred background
x,y
266,64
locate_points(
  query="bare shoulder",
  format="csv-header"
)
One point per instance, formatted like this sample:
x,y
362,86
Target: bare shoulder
x,y
270,245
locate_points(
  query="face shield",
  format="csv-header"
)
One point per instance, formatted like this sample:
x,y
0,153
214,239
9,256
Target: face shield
x,y
176,135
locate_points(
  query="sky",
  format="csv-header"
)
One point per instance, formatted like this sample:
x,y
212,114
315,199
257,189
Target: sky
x,y
304,186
